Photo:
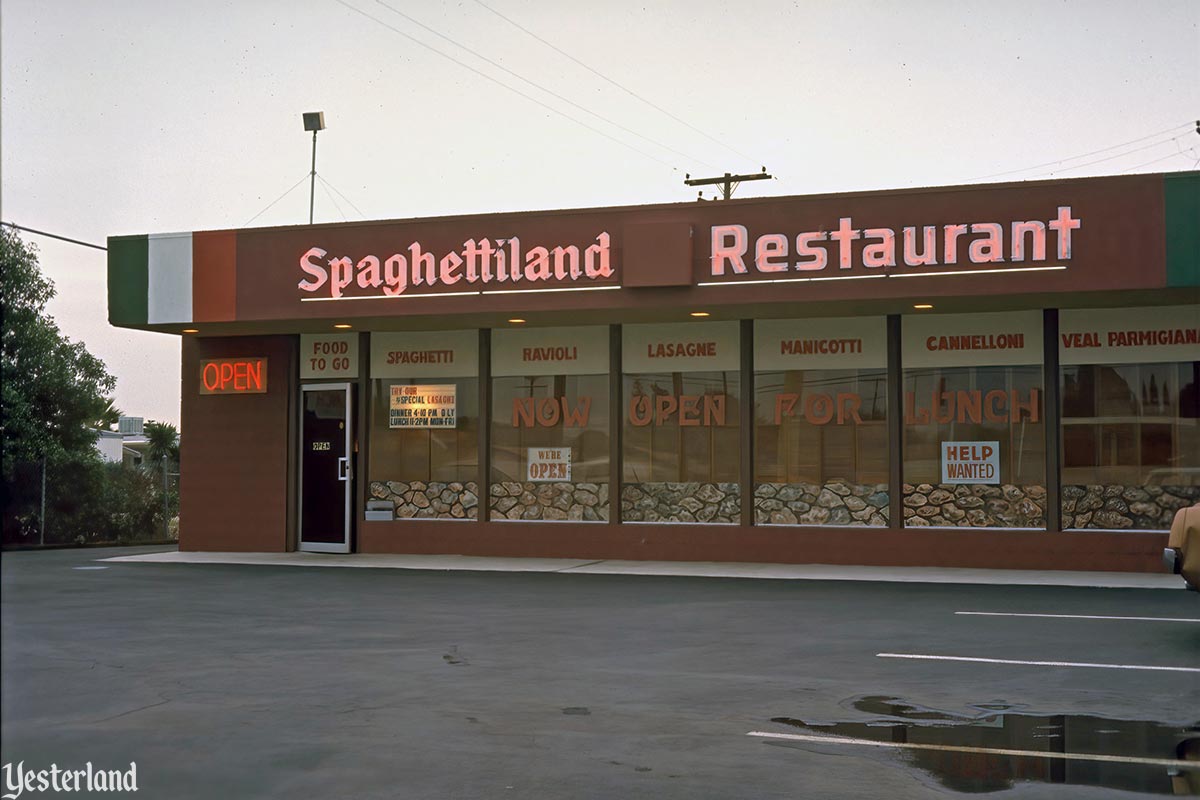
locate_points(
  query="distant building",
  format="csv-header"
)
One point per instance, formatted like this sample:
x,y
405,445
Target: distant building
x,y
126,445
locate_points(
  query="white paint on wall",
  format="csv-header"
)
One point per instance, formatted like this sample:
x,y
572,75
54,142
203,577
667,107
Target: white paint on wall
x,y
170,278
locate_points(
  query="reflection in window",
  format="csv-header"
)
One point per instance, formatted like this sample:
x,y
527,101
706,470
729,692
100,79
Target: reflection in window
x,y
426,473
821,447
975,405
539,423
1131,444
682,450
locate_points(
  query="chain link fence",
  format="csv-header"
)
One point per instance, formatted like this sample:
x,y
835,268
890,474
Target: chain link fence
x,y
89,502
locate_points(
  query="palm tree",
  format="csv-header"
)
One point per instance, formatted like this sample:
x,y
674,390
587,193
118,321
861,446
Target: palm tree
x,y
162,443
162,448
108,416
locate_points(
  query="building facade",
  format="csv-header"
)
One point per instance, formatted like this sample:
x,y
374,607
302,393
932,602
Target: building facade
x,y
1001,376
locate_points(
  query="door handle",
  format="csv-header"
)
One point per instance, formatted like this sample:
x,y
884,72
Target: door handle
x,y
343,468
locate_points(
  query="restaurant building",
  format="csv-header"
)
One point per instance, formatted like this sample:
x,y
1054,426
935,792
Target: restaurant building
x,y
999,375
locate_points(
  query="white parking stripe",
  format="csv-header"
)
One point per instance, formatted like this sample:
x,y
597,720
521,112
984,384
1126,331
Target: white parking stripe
x,y
1003,751
1071,616
1034,663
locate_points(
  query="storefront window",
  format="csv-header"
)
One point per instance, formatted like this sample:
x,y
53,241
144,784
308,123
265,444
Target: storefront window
x,y
550,445
821,441
974,438
681,434
1131,419
424,407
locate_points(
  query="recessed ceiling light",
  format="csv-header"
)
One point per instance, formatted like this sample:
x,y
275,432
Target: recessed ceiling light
x,y
517,321
699,314
923,306
342,326
191,330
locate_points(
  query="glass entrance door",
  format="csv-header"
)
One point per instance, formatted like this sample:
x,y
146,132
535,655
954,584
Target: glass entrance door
x,y
326,467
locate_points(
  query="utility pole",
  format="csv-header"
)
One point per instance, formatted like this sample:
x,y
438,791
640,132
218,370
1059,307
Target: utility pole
x,y
728,183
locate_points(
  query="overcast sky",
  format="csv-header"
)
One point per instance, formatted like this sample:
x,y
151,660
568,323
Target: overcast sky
x,y
160,115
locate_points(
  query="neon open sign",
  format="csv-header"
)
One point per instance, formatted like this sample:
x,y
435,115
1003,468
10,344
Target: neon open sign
x,y
233,376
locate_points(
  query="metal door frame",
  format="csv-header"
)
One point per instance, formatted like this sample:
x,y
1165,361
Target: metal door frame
x,y
347,476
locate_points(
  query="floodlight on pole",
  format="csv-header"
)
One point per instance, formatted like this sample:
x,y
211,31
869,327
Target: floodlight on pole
x,y
313,121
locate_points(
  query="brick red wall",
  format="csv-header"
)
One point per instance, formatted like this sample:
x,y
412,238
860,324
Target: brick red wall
x,y
234,492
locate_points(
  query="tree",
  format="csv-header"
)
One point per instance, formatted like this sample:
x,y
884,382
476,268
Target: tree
x,y
52,389
162,442
108,417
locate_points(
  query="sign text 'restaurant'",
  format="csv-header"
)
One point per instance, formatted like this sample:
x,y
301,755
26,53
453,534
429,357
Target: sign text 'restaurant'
x,y
974,243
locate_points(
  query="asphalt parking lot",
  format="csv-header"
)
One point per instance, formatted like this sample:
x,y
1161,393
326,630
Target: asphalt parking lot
x,y
251,681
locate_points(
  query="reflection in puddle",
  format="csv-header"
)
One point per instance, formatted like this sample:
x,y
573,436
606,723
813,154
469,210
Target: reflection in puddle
x,y
999,726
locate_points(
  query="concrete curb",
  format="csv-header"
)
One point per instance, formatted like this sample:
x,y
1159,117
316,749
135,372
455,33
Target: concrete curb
x,y
811,572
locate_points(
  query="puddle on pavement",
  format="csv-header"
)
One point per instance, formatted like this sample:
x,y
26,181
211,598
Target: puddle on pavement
x,y
1000,726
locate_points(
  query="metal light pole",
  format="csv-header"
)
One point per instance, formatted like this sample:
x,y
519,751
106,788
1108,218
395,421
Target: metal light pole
x,y
313,121
42,517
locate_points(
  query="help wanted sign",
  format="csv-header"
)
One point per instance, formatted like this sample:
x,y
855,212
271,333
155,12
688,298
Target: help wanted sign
x,y
970,462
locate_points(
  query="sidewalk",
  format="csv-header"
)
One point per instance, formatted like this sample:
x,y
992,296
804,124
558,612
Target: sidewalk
x,y
690,569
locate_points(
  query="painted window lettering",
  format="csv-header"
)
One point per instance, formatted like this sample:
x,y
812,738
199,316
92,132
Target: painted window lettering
x,y
978,243
681,350
1153,338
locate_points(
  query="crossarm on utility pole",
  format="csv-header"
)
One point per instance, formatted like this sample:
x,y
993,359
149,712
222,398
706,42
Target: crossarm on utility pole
x,y
727,182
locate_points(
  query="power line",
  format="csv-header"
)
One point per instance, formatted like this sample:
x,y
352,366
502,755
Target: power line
x,y
623,88
500,83
537,85
1172,129
550,92
1119,155
54,236
276,200
1155,161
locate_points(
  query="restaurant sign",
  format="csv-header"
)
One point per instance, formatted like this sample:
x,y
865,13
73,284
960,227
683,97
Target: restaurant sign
x,y
972,340
233,376
1129,335
915,249
475,266
328,355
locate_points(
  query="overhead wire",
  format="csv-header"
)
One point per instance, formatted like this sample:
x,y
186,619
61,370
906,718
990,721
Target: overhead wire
x,y
1190,153
536,85
1118,155
54,236
1172,129
1155,161
512,89
615,83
